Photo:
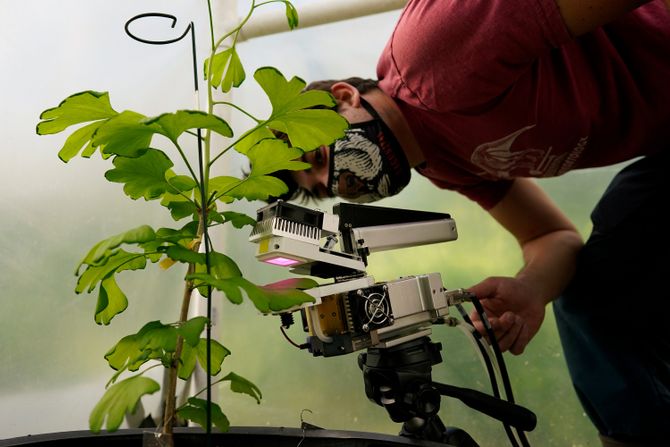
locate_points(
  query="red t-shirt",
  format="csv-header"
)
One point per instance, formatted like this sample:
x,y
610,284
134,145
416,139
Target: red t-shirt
x,y
498,89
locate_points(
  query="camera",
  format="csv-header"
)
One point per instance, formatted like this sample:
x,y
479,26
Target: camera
x,y
354,312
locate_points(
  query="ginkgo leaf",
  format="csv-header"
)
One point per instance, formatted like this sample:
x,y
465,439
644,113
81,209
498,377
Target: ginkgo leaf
x,y
218,354
77,108
125,134
222,266
183,254
187,362
225,69
103,249
251,137
265,299
119,261
294,113
258,188
127,354
144,176
192,355
174,124
179,206
191,330
119,399
241,385
238,220
154,341
196,410
270,156
229,286
222,185
292,283
80,138
111,301
310,129
291,15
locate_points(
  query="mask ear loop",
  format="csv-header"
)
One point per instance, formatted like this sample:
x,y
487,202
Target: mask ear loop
x,y
371,110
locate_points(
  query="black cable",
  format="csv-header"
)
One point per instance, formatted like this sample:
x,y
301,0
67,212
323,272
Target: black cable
x,y
489,368
501,362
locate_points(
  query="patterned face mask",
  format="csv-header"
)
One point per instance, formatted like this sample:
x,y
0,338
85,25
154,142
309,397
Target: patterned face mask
x,y
367,164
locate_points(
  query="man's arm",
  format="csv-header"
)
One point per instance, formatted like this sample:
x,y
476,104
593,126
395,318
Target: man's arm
x,y
548,240
550,244
582,16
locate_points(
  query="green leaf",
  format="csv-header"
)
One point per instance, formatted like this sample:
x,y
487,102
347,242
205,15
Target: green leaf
x,y
292,283
191,355
111,301
181,183
293,111
154,341
258,188
183,254
225,70
218,354
274,155
238,220
310,129
80,138
222,185
144,176
179,206
192,329
223,266
187,362
250,138
104,248
291,15
271,298
78,108
174,124
121,260
125,134
127,354
241,385
196,410
266,157
229,286
119,399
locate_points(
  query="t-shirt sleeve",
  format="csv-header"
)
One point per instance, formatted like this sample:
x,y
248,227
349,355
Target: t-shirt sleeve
x,y
438,44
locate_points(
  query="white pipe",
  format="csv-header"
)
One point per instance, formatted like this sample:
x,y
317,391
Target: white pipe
x,y
317,13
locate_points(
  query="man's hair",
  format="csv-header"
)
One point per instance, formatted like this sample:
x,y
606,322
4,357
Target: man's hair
x,y
296,192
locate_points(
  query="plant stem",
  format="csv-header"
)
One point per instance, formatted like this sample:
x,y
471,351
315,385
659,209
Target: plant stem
x,y
171,392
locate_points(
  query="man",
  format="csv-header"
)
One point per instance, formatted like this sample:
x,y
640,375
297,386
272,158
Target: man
x,y
478,96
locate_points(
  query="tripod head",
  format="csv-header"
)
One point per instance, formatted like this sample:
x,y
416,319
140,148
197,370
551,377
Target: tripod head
x,y
399,379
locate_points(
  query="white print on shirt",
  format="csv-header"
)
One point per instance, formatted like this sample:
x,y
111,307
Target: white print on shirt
x,y
499,162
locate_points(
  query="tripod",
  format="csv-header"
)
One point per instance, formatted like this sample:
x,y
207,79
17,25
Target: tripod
x,y
399,379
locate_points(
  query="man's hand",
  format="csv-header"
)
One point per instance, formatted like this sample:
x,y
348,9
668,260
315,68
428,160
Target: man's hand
x,y
514,310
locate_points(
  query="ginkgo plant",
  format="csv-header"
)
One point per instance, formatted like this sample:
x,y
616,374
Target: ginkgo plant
x,y
197,200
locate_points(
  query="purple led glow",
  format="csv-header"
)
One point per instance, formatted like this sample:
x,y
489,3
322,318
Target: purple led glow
x,y
281,261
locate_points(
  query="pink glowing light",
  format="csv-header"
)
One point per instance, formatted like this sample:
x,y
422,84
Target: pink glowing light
x,y
279,260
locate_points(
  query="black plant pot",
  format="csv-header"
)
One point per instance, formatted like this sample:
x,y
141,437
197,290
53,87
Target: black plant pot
x,y
236,437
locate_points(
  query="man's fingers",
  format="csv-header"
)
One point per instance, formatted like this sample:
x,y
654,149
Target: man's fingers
x,y
506,329
510,328
521,341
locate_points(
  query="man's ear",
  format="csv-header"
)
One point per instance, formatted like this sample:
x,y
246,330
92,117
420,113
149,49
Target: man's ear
x,y
346,94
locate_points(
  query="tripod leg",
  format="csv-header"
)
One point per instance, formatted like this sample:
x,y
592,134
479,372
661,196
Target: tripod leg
x,y
434,430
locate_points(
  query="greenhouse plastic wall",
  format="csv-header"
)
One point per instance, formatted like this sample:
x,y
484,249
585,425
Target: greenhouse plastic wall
x,y
52,371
